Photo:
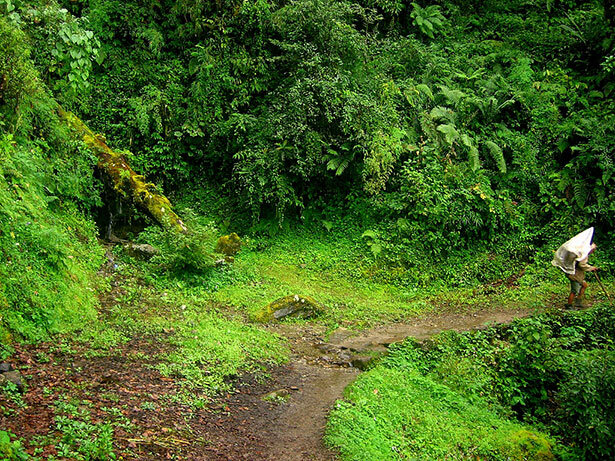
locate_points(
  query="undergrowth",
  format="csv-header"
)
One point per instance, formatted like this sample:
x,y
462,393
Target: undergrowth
x,y
48,243
336,268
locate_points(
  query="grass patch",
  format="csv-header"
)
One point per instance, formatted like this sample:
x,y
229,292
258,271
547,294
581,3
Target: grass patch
x,y
395,414
336,270
193,338
211,350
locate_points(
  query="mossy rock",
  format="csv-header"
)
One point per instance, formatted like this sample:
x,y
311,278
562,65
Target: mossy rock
x,y
531,446
294,306
228,245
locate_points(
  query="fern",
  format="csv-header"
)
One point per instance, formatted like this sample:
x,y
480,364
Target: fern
x,y
424,89
442,113
428,20
497,155
450,133
339,164
475,75
580,193
473,158
452,96
339,161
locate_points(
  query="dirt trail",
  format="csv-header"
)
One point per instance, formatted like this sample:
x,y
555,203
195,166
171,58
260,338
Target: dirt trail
x,y
323,369
299,430
377,339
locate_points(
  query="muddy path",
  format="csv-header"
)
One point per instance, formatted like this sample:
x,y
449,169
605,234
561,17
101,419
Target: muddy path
x,y
298,431
321,369
158,424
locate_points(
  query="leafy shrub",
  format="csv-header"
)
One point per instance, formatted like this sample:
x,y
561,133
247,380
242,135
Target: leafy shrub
x,y
192,251
320,103
48,245
11,450
526,372
428,20
586,411
18,73
66,48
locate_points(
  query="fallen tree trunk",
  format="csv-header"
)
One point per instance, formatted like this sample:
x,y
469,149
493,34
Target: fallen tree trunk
x,y
124,179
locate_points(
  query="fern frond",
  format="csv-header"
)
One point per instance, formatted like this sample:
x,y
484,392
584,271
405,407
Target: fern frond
x,y
506,103
450,133
334,163
497,155
342,167
473,158
441,113
452,96
580,193
424,89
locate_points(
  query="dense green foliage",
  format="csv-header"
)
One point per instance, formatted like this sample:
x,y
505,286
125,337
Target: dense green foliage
x,y
554,371
438,125
438,120
48,247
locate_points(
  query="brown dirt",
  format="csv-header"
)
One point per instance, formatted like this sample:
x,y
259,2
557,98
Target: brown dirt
x,y
239,425
379,338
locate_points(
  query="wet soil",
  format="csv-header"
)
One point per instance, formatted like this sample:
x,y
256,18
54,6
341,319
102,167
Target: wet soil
x,y
156,423
379,338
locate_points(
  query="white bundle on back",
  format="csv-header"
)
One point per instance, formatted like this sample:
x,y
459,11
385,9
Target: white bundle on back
x,y
575,249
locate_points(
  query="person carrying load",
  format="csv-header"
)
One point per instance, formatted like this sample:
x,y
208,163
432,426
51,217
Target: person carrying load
x,y
572,258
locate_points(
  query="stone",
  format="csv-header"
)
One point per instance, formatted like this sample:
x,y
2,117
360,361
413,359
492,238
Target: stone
x,y
277,396
5,366
294,306
361,362
326,347
344,357
12,377
340,335
228,245
140,250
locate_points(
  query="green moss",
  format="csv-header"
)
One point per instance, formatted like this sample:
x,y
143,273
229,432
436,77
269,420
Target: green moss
x,y
531,445
295,306
124,179
229,245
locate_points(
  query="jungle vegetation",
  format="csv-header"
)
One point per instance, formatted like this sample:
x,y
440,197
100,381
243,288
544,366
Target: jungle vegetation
x,y
420,147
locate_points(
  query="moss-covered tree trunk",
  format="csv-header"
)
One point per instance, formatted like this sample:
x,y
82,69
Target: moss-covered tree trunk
x,y
124,179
